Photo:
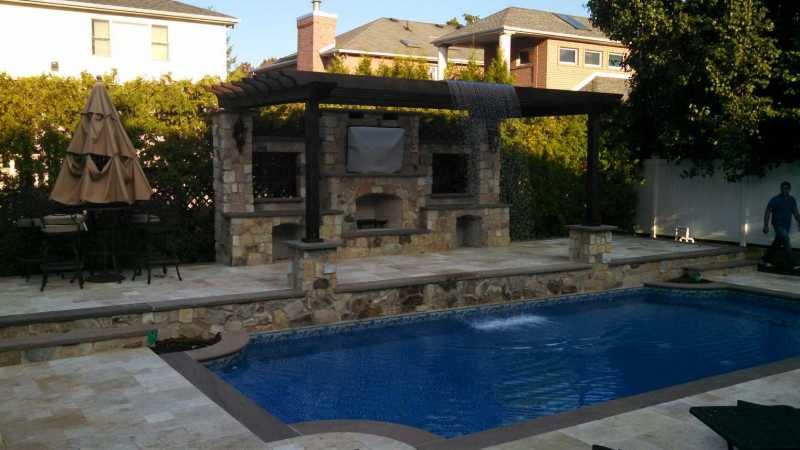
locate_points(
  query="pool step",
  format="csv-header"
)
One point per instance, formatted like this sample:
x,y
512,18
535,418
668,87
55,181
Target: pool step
x,y
48,347
724,267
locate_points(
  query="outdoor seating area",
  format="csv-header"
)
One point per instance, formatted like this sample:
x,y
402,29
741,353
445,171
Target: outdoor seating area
x,y
99,218
98,244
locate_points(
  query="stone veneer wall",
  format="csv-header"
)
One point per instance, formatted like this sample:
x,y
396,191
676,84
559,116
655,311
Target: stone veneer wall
x,y
292,309
244,228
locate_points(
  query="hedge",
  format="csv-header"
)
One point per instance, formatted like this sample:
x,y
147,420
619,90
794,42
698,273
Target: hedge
x,y
167,121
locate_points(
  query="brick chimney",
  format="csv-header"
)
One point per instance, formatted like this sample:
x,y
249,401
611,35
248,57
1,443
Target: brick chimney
x,y
315,32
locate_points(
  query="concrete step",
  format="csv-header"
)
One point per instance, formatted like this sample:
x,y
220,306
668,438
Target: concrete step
x,y
725,267
52,346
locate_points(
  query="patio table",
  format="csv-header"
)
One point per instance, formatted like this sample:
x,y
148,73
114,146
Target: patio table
x,y
107,236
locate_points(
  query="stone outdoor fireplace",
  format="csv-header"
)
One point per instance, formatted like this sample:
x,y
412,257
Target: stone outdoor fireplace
x,y
379,211
384,189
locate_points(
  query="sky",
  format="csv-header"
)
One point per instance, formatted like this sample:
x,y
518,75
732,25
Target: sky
x,y
267,28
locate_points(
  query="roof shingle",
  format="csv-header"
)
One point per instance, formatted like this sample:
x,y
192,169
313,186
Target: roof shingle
x,y
530,19
157,5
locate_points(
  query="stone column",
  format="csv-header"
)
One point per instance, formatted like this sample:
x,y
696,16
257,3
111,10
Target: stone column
x,y
233,175
313,266
441,67
313,271
590,245
505,46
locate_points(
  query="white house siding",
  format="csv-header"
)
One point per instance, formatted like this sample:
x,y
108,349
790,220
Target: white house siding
x,y
32,38
713,208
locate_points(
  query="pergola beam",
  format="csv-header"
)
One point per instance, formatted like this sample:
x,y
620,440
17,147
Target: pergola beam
x,y
293,87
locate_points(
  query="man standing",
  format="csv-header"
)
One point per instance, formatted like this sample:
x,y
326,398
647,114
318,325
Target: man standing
x,y
782,207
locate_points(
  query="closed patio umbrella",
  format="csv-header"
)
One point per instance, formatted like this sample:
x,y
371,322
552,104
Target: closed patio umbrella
x,y
101,165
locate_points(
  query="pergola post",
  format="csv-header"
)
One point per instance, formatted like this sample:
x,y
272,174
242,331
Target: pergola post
x,y
593,217
313,148
441,65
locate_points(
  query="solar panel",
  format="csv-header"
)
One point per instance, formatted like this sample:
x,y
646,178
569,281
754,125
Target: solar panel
x,y
577,24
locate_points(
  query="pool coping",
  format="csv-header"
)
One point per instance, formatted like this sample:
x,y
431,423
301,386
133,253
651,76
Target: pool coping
x,y
271,429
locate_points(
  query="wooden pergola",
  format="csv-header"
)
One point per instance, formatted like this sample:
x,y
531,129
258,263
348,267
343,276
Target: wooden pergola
x,y
315,88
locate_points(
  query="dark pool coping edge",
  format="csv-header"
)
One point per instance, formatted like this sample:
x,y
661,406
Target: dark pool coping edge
x,y
257,420
269,428
610,408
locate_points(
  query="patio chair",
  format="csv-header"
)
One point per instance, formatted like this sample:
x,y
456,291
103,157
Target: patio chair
x,y
60,247
30,241
750,426
157,231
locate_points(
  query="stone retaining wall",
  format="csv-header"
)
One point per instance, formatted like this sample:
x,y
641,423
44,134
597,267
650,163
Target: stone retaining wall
x,y
367,300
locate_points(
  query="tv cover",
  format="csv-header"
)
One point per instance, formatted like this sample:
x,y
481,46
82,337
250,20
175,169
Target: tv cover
x,y
375,150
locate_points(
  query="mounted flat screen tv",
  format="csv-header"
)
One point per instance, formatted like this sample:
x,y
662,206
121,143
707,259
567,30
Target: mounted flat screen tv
x,y
375,150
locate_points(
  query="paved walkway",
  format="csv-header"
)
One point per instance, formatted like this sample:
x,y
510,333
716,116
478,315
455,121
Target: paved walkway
x,y
119,400
667,426
210,280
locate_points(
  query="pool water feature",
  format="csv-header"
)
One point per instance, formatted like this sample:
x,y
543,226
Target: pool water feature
x,y
459,372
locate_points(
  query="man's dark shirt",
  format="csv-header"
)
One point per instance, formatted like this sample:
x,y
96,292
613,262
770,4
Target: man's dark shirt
x,y
782,207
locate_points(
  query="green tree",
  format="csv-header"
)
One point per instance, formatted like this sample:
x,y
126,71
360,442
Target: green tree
x,y
498,71
701,68
243,70
336,65
454,22
365,67
471,72
230,57
470,19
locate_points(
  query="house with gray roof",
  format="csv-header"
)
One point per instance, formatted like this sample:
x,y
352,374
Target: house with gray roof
x,y
133,38
541,48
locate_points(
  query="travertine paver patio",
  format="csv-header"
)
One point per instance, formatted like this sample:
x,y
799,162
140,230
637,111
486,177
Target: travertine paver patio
x,y
767,281
129,399
666,426
209,280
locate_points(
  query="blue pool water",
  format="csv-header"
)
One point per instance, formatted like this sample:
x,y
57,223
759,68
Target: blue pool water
x,y
461,372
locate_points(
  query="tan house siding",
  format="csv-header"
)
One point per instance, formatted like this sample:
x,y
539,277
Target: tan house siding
x,y
566,76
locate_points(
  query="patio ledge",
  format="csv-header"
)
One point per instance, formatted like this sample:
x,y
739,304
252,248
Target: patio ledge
x,y
74,337
730,250
345,288
384,232
446,207
145,307
284,213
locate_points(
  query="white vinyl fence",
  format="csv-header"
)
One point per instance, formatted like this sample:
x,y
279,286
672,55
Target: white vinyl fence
x,y
711,207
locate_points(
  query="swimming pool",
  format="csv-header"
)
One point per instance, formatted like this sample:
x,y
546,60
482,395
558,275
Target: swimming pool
x,y
459,372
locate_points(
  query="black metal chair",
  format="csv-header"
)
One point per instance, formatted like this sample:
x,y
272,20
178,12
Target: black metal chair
x,y
61,247
157,230
29,233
